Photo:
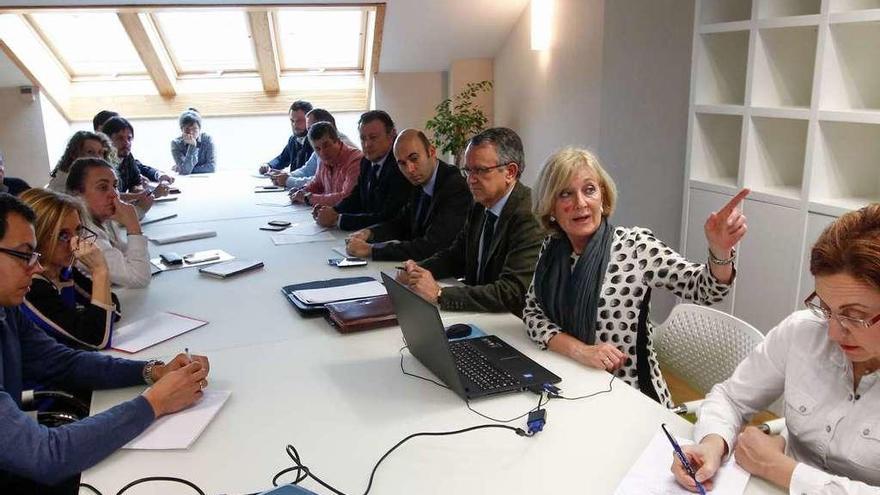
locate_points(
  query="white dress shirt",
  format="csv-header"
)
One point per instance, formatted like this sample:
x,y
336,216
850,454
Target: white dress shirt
x,y
833,431
128,257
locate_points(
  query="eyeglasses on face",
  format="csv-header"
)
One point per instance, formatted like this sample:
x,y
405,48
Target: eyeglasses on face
x,y
84,233
480,171
30,258
814,304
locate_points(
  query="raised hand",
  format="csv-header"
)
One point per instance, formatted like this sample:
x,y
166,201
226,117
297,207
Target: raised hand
x,y
726,227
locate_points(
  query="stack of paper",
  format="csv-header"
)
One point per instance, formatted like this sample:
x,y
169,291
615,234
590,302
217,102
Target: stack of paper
x,y
341,293
150,331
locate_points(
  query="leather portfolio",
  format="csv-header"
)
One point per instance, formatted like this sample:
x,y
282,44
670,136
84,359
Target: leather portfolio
x,y
361,314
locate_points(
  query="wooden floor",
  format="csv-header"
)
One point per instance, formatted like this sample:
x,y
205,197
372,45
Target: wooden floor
x,y
682,392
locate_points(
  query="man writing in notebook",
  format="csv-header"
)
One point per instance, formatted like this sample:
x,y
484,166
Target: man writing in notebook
x,y
434,214
497,249
31,454
381,189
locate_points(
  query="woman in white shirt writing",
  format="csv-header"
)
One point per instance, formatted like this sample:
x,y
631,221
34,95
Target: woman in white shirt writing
x,y
824,361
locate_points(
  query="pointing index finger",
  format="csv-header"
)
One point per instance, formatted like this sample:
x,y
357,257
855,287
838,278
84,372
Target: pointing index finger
x,y
725,211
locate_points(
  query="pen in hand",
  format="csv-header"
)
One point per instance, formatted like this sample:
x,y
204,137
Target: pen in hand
x,y
683,458
188,355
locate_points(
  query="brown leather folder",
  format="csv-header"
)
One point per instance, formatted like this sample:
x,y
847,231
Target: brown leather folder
x,y
361,314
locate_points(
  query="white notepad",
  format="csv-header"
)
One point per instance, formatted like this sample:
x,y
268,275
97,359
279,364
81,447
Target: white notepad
x,y
181,429
139,335
182,236
341,293
285,239
650,475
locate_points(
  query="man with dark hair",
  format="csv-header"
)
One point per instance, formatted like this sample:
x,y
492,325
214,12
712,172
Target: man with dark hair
x,y
11,185
337,174
31,454
434,214
382,190
497,249
130,169
298,148
101,117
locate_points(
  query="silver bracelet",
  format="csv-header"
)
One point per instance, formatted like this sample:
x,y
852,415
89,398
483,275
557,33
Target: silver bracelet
x,y
148,370
718,261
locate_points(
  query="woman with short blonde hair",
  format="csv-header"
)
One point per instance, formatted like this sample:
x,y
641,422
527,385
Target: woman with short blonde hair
x,y
591,291
63,302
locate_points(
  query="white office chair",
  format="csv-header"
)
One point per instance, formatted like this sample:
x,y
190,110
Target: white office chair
x,y
703,346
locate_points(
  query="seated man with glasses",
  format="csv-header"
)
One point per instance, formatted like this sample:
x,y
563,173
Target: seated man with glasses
x,y
69,306
497,249
825,363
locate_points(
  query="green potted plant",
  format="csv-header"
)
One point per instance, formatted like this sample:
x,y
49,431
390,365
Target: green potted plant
x,y
457,119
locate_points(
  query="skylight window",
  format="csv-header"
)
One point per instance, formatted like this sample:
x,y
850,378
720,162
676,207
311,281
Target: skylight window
x,y
89,43
207,41
315,39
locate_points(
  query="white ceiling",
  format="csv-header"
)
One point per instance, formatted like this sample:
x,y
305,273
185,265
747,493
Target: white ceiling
x,y
420,35
10,76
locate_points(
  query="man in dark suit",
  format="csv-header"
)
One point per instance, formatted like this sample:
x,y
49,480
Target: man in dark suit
x,y
432,217
382,190
497,250
298,148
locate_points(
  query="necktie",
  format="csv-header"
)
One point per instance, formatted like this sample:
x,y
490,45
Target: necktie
x,y
424,206
488,234
374,175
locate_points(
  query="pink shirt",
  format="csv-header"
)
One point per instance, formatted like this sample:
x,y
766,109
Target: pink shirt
x,y
335,180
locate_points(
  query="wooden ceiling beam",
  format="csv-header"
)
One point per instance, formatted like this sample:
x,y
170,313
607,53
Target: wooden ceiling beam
x,y
152,52
266,53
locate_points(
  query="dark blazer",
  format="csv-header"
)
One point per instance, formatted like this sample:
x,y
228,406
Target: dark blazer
x,y
369,204
446,215
294,155
130,170
512,258
14,186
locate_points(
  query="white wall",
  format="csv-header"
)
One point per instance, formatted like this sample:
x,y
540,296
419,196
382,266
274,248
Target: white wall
x,y
240,142
22,137
57,130
552,98
616,80
409,97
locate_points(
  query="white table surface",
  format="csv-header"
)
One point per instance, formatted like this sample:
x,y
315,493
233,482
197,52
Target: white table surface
x,y
342,400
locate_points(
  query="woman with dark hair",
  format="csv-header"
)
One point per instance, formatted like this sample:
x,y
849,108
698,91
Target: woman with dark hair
x,y
825,362
193,151
81,145
69,306
128,259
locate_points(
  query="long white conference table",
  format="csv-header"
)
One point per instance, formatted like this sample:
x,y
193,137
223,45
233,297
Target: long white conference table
x,y
342,400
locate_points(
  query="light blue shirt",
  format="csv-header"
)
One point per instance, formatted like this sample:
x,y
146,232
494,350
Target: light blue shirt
x,y
303,175
495,209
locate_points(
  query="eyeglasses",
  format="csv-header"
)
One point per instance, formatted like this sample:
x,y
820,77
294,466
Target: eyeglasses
x,y
814,304
480,171
29,258
84,233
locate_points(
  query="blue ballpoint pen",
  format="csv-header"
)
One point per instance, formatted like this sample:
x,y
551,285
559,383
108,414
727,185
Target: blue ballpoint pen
x,y
683,459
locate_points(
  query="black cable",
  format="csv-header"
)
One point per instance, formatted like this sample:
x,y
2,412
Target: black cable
x,y
161,478
478,413
303,472
90,488
407,373
557,396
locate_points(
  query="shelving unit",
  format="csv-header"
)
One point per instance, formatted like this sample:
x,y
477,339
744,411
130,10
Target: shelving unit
x,y
785,100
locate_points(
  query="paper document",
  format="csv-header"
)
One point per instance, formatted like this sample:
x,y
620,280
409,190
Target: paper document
x,y
650,475
341,293
139,335
305,228
284,239
182,236
198,258
181,429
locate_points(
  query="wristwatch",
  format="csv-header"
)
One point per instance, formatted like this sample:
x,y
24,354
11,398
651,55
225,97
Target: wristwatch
x,y
307,198
148,370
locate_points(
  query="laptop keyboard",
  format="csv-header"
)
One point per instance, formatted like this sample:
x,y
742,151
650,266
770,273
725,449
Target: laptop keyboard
x,y
474,365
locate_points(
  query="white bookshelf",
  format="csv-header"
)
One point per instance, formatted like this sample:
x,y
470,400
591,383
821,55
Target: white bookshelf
x,y
785,100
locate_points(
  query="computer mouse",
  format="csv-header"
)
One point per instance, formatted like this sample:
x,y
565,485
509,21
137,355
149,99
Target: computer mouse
x,y
458,331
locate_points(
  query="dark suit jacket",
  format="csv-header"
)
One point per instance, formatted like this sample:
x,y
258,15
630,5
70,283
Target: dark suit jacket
x,y
371,203
446,215
14,186
294,155
511,264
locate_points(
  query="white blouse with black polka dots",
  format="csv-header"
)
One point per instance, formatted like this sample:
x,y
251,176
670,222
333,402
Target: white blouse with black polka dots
x,y
638,263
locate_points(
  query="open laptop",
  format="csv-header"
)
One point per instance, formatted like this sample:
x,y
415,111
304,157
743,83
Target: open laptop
x,y
474,367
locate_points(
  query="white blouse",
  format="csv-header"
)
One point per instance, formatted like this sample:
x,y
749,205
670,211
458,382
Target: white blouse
x,y
831,429
128,257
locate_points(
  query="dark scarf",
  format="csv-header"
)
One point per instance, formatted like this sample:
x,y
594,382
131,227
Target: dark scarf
x,y
570,298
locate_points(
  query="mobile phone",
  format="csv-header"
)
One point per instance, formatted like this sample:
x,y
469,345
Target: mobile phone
x,y
272,228
171,258
279,223
194,258
347,262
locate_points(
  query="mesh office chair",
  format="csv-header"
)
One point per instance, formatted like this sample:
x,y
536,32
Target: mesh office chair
x,y
703,346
